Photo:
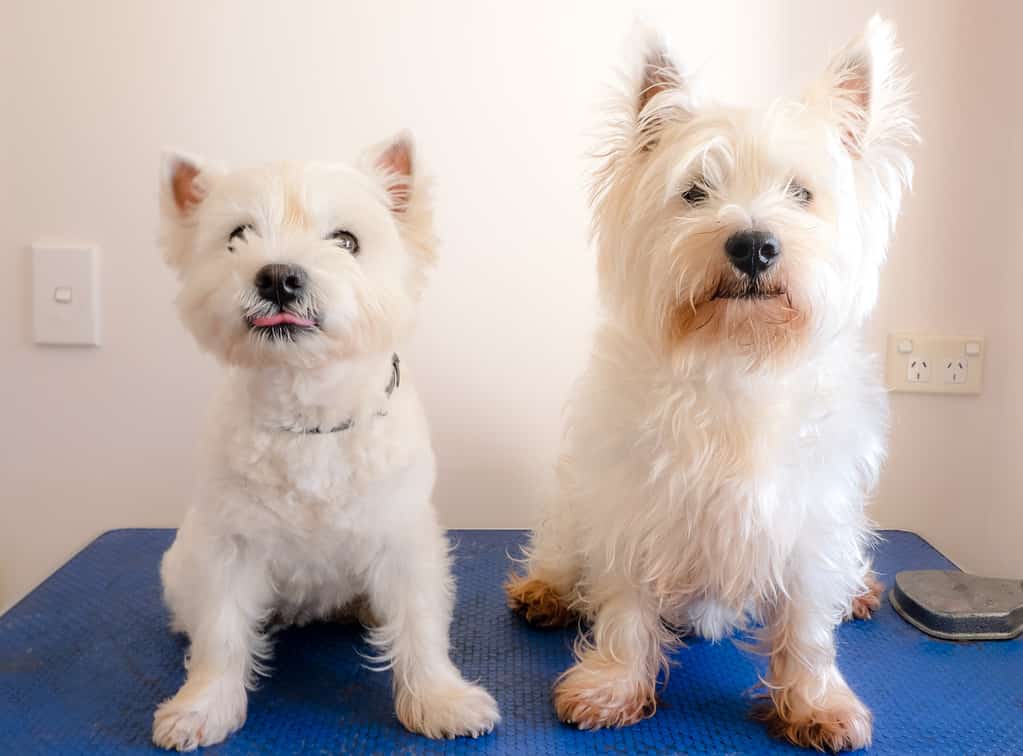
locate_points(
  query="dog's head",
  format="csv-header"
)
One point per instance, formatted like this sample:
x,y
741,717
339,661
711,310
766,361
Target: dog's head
x,y
752,232
298,264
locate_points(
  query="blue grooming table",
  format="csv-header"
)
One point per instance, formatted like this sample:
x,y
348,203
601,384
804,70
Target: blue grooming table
x,y
85,658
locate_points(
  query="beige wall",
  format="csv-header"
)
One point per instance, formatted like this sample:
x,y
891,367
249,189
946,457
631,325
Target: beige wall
x,y
952,466
1005,514
502,97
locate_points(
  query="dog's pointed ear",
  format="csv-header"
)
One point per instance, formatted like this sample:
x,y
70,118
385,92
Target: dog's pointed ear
x,y
864,92
394,162
184,185
182,188
395,165
662,91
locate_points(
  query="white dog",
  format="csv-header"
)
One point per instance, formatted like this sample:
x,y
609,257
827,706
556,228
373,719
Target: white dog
x,y
721,443
316,490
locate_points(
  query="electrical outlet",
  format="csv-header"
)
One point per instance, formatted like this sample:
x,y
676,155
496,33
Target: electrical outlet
x,y
919,371
935,364
957,370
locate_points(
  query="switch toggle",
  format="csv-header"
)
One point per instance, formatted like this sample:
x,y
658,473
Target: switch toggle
x,y
62,294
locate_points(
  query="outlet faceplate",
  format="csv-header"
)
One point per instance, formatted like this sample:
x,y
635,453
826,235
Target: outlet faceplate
x,y
935,364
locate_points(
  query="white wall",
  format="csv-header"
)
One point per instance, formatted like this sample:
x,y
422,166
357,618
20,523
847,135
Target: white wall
x,y
502,97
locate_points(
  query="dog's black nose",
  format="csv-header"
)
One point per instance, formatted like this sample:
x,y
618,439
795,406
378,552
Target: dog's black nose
x,y
280,283
752,252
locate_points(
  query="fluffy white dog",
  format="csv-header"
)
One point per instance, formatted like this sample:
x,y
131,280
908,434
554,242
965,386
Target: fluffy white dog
x,y
720,445
315,496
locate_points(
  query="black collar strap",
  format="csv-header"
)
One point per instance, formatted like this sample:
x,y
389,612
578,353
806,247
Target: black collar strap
x,y
391,386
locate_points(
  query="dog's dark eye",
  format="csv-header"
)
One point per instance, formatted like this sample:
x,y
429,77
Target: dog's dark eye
x,y
346,240
695,194
238,233
800,193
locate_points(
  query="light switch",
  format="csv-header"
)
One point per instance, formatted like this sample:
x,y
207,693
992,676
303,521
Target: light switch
x,y
65,291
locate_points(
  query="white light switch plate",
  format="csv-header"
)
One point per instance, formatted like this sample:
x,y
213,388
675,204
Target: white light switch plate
x,y
935,364
65,291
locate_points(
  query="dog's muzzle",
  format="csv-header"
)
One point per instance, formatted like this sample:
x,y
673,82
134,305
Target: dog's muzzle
x,y
281,285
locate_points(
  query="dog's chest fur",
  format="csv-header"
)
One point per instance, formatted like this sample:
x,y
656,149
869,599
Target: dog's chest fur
x,y
707,480
321,437
318,505
310,481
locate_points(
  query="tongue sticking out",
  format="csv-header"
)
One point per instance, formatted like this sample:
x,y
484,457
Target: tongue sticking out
x,y
281,318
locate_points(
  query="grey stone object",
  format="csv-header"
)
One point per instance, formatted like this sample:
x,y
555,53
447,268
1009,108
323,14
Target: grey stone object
x,y
958,606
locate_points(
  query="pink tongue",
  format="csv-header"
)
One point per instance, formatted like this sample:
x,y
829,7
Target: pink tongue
x,y
281,317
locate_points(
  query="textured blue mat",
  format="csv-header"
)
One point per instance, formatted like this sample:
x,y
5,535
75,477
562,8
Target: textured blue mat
x,y
86,657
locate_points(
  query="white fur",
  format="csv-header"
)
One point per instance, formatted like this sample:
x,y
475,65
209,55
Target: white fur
x,y
297,526
718,452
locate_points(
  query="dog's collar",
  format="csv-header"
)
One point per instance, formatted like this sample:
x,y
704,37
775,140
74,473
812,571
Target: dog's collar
x,y
391,386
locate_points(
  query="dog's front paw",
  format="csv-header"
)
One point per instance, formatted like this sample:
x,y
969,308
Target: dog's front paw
x,y
593,697
868,602
453,709
186,722
843,723
537,601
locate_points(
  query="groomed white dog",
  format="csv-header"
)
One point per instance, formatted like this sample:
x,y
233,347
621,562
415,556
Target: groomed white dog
x,y
721,443
315,497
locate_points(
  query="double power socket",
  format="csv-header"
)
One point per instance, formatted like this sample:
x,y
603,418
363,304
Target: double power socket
x,y
935,365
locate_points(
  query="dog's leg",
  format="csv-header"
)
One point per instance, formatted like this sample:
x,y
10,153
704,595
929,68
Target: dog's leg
x,y
220,603
411,595
545,594
614,680
810,703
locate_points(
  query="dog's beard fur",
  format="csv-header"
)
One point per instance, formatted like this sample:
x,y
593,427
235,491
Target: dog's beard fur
x,y
714,308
